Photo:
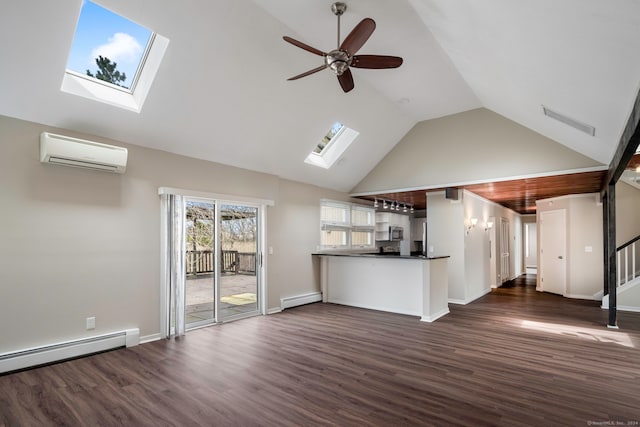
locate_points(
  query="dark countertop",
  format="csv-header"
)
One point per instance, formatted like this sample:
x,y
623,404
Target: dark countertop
x,y
389,255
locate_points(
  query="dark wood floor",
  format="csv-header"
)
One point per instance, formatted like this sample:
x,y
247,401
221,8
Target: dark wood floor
x,y
514,357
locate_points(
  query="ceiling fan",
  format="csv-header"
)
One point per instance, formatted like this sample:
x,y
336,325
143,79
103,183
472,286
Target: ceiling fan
x,y
344,56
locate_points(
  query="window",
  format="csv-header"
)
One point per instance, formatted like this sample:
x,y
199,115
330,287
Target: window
x,y
363,221
331,146
112,59
346,226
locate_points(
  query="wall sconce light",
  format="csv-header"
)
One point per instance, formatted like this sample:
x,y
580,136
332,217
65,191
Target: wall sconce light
x,y
488,226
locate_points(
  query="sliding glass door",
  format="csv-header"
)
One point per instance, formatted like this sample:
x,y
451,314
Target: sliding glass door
x,y
221,261
239,261
200,242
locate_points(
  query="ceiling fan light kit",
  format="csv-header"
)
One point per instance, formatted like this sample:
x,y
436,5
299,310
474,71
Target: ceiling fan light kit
x,y
344,56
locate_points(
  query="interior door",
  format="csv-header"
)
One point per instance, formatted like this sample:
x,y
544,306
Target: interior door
x,y
505,250
553,263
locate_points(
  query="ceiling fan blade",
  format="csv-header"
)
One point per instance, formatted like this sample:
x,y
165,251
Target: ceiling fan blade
x,y
358,36
303,46
305,74
346,80
376,61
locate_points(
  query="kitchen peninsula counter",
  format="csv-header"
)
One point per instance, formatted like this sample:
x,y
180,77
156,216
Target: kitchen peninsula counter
x,y
407,284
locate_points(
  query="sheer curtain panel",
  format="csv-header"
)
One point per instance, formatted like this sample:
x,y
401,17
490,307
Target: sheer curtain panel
x,y
173,265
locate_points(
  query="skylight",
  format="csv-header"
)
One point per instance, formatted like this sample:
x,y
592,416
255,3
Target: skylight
x,y
112,59
331,146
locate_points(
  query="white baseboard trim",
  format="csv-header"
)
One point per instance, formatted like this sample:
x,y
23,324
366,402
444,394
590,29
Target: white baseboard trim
x,y
434,317
150,338
578,296
387,309
623,308
302,299
274,310
468,300
55,352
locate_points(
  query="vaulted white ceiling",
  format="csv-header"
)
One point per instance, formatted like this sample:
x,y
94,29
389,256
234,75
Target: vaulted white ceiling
x,y
221,92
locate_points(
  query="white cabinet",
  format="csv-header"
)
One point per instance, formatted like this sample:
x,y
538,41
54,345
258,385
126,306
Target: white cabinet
x,y
384,220
382,226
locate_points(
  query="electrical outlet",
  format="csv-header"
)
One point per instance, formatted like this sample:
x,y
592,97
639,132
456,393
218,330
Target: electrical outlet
x,y
91,323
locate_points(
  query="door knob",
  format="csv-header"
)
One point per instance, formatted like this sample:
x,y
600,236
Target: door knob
x,y
560,257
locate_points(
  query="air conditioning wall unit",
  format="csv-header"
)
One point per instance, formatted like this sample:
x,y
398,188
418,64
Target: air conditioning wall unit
x,y
67,151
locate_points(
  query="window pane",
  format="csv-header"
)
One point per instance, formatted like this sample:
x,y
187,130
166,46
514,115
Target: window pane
x,y
120,42
328,137
362,238
335,214
362,216
334,238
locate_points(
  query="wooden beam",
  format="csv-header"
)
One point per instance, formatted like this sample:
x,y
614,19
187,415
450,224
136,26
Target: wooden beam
x,y
610,251
605,241
626,148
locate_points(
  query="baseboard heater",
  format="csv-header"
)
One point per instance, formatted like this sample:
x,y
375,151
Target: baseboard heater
x,y
30,357
294,301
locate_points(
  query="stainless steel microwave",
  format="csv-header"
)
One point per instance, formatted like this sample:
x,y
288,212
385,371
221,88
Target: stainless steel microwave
x,y
396,233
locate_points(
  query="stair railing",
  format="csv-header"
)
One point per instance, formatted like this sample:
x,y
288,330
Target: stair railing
x,y
627,261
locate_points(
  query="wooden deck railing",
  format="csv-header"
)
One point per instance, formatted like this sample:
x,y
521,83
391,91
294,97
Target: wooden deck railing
x,y
200,262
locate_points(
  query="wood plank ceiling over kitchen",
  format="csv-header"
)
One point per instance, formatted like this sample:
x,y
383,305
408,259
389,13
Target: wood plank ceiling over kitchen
x,y
519,195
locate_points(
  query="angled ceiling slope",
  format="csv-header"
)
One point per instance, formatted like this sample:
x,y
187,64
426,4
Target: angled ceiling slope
x,y
221,93
576,57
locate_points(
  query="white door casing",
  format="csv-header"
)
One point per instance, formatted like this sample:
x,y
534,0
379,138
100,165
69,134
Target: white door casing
x,y
530,246
553,247
504,250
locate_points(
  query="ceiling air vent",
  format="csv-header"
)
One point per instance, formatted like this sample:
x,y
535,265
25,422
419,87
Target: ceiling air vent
x,y
569,121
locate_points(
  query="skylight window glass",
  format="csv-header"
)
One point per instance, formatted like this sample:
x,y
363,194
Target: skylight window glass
x,y
328,137
331,146
108,47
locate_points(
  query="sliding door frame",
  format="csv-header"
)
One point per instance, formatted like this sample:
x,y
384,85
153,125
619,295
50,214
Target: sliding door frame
x,y
218,199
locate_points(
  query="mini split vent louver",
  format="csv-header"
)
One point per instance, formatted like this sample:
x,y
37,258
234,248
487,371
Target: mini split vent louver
x,y
67,151
590,130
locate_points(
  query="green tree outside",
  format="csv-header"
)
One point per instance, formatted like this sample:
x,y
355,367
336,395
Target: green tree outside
x,y
107,72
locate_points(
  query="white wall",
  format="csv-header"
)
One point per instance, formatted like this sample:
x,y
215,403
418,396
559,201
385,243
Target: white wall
x,y
445,234
476,246
491,147
584,232
470,272
294,234
76,243
627,212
